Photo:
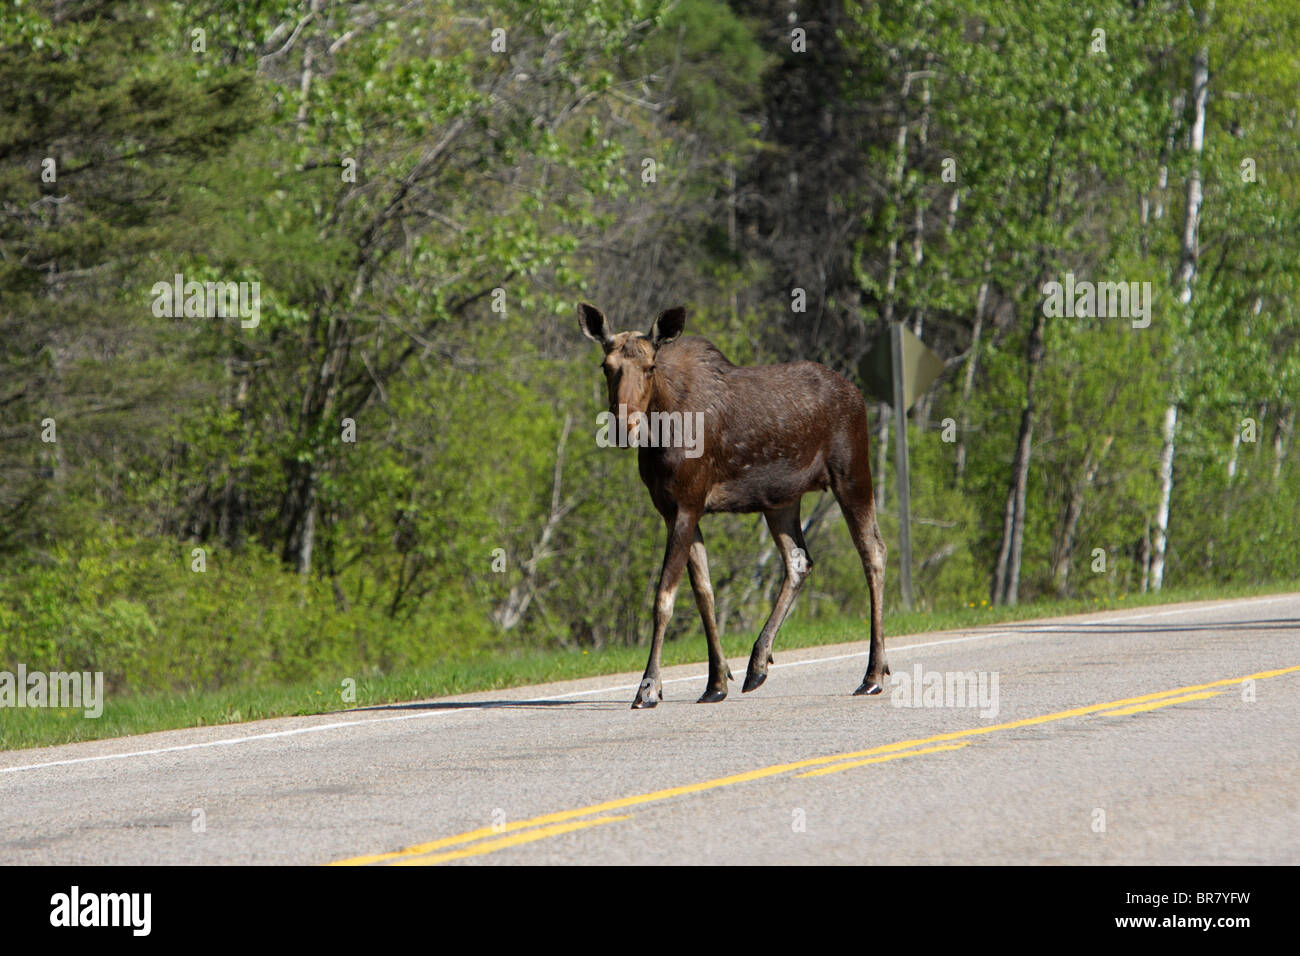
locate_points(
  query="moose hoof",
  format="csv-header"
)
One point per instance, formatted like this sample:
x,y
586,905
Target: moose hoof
x,y
868,688
712,696
753,682
648,694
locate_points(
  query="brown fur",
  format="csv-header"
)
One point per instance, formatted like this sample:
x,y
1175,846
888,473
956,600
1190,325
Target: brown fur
x,y
771,434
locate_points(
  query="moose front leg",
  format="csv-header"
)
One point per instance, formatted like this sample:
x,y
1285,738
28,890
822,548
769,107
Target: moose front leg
x,y
681,530
719,672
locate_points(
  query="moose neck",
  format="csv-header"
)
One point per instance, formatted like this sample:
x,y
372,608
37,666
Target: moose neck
x,y
689,375
667,390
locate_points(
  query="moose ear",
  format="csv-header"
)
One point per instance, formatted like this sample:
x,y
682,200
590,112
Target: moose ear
x,y
594,326
668,326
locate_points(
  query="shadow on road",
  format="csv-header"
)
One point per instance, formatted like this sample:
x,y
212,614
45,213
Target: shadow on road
x,y
485,704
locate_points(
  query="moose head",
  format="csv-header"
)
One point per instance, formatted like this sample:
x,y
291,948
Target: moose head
x,y
629,361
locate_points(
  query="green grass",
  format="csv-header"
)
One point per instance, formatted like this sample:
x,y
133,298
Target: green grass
x,y
167,711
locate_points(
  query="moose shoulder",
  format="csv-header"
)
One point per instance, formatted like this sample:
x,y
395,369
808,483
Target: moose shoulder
x,y
767,435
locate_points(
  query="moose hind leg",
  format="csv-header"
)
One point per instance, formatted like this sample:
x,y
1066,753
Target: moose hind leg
x,y
788,534
873,682
860,514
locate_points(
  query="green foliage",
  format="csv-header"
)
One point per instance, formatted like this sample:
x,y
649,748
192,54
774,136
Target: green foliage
x,y
137,611
422,210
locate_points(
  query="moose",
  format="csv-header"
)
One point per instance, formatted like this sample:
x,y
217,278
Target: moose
x,y
770,435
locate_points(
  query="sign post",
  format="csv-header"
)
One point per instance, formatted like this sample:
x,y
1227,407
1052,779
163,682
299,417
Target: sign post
x,y
898,370
903,476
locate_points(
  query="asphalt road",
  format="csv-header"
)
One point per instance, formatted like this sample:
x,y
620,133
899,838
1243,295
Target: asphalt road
x,y
1119,737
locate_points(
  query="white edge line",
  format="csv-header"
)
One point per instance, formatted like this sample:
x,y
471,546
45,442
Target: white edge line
x,y
316,728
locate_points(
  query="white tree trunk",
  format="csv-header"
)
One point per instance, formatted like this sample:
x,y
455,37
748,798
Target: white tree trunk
x,y
1285,425
1186,277
1166,487
1192,210
968,378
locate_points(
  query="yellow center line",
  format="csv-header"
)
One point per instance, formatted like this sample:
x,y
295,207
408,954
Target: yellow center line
x,y
668,793
836,768
491,846
543,833
1160,703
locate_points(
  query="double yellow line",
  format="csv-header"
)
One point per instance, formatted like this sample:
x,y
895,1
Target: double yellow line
x,y
494,838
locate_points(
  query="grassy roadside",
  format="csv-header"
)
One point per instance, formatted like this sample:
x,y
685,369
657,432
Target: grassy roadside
x,y
20,728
